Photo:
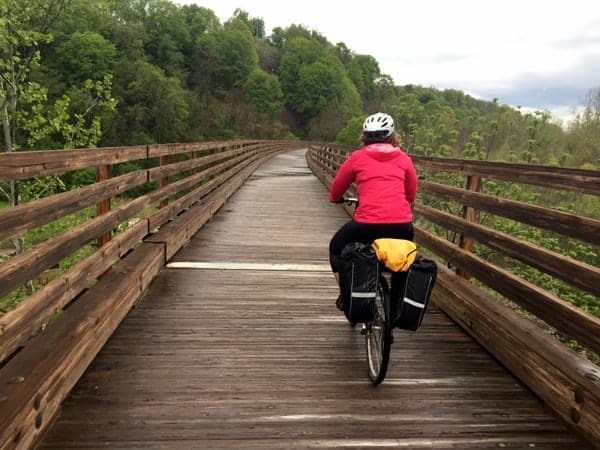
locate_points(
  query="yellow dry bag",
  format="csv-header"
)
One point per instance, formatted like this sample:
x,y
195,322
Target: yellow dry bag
x,y
396,254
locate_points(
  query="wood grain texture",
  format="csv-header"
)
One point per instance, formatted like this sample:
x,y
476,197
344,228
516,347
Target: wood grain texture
x,y
567,224
577,273
562,315
35,382
572,179
263,359
19,165
570,384
23,322
26,216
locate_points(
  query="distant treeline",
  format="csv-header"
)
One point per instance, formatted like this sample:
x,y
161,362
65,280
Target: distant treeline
x,y
79,73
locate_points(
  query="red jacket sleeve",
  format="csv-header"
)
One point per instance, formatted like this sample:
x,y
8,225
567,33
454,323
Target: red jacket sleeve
x,y
342,181
410,181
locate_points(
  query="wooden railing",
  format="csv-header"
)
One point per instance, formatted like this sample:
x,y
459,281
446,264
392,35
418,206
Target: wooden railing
x,y
50,338
507,314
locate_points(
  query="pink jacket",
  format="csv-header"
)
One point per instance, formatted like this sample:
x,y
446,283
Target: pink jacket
x,y
386,183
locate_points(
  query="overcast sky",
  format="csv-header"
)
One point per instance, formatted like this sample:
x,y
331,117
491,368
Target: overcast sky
x,y
535,54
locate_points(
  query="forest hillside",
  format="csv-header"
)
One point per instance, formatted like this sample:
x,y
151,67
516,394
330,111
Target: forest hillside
x,y
80,73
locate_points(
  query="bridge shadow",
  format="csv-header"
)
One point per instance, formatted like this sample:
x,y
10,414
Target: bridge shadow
x,y
238,344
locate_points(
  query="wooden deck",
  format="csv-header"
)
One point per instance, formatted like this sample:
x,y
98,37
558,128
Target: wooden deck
x,y
239,345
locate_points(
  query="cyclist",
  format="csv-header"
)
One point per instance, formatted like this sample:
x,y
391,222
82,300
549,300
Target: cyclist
x,y
386,185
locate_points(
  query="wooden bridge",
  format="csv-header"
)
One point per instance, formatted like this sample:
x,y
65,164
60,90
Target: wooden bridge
x,y
203,314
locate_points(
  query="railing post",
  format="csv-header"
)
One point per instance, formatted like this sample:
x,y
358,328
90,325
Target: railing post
x,y
164,181
193,156
103,174
470,215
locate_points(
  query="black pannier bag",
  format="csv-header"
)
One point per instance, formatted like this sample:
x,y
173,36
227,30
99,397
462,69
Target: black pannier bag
x,y
411,306
359,276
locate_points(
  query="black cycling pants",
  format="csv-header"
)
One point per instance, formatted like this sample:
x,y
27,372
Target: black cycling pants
x,y
365,233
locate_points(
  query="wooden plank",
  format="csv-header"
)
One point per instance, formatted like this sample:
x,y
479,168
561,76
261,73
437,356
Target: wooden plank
x,y
103,174
23,322
571,225
156,150
577,273
216,175
181,229
17,220
181,204
156,173
567,382
564,178
35,381
571,179
244,152
567,318
470,215
223,164
26,216
20,165
163,179
26,266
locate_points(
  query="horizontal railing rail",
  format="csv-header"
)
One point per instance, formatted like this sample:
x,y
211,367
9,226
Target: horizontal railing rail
x,y
453,195
55,331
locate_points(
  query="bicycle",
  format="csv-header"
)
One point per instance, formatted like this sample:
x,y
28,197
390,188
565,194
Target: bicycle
x,y
378,332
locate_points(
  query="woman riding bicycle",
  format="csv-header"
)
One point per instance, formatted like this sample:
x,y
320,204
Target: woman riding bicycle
x,y
386,185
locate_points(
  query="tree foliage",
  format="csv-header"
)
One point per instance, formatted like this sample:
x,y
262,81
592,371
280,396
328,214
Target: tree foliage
x,y
263,92
177,73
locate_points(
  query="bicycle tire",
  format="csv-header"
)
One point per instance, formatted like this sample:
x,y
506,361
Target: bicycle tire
x,y
378,335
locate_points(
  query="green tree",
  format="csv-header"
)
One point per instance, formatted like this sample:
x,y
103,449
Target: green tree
x,y
363,70
314,82
72,121
167,35
584,133
255,24
263,92
85,55
199,22
350,134
234,55
269,57
24,28
277,37
153,108
343,53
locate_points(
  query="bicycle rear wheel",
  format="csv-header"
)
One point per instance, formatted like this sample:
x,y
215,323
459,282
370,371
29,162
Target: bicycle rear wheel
x,y
378,335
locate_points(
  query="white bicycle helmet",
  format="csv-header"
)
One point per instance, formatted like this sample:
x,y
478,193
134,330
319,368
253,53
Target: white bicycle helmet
x,y
380,123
